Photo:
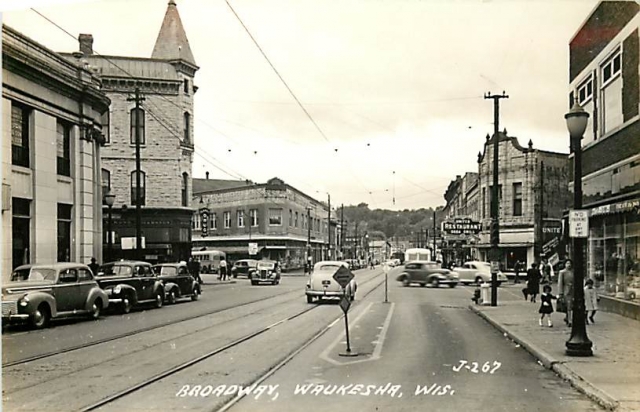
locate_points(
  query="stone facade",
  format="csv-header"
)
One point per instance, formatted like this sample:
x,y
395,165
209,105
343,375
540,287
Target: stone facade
x,y
53,118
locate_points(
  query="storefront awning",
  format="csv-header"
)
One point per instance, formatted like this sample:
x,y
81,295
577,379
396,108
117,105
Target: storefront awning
x,y
504,245
234,249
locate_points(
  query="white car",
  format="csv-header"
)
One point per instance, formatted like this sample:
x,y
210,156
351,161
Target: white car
x,y
321,284
478,272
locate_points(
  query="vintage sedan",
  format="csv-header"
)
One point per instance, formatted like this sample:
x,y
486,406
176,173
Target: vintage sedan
x,y
427,273
478,272
178,282
129,283
38,293
244,267
321,283
267,271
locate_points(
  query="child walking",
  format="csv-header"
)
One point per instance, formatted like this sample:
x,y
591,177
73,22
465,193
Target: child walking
x,y
546,307
590,301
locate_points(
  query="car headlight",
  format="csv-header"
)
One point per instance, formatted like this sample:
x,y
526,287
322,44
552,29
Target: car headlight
x,y
24,301
117,290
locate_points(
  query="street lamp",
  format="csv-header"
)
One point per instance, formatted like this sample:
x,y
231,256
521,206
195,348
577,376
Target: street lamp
x,y
578,344
109,199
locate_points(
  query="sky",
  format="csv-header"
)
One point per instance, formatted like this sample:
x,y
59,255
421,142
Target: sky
x,y
394,89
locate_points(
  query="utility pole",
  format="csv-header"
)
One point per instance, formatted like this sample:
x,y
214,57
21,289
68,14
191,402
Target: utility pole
x,y
495,202
138,99
329,226
308,234
342,230
356,256
434,236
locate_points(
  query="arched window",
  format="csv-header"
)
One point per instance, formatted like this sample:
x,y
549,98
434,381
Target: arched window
x,y
142,188
132,137
185,186
187,128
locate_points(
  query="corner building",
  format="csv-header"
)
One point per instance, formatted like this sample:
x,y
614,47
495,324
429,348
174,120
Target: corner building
x,y
53,119
166,82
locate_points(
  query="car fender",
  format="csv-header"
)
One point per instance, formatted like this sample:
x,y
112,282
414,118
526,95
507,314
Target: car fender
x,y
159,287
169,286
125,290
402,276
94,294
36,298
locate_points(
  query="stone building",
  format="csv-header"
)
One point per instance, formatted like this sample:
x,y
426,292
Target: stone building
x,y
285,223
533,194
605,79
461,203
53,118
166,82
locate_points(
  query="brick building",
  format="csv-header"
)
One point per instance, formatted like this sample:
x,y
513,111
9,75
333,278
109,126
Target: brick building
x,y
166,142
278,217
52,122
604,77
461,203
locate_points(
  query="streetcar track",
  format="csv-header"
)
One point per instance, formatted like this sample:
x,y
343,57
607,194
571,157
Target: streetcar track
x,y
175,369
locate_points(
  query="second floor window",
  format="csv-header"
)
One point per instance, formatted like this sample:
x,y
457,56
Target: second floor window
x,y
187,128
185,186
63,150
142,188
517,199
240,218
295,222
275,217
19,135
227,220
585,90
213,221
140,126
105,177
254,217
612,67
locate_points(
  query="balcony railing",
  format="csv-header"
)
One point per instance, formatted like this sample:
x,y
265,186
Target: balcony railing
x,y
20,156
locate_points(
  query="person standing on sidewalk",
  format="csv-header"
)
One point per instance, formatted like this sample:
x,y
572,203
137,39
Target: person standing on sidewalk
x,y
223,269
94,266
533,281
546,306
546,272
590,301
516,268
565,288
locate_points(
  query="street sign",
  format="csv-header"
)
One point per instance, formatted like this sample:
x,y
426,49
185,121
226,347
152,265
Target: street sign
x,y
579,223
495,266
343,276
385,268
253,248
345,303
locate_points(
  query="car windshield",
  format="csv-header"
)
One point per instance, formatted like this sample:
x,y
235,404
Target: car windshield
x,y
33,275
265,265
116,270
165,270
329,267
241,264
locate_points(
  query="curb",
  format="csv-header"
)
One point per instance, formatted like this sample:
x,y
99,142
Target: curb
x,y
549,362
225,282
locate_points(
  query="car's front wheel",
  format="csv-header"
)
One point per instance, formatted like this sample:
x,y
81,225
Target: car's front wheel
x,y
405,282
95,310
159,300
452,285
309,299
126,305
172,297
435,283
196,295
41,317
479,280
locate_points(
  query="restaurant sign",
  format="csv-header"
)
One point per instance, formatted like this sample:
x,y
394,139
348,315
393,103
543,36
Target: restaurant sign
x,y
461,226
620,207
204,221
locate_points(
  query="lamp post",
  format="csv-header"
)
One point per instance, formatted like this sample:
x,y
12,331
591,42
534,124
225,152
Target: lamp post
x,y
109,199
578,344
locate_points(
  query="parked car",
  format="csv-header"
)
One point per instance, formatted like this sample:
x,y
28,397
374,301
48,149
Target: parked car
x,y
178,282
266,271
244,267
427,273
38,293
478,272
130,283
321,284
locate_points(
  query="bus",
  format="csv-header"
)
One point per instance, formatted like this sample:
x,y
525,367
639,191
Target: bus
x,y
398,255
209,259
417,254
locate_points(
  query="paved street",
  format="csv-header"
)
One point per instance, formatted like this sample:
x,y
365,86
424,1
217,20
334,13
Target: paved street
x,y
410,353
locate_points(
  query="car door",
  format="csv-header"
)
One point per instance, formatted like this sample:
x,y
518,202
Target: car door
x,y
146,281
465,273
412,269
66,290
85,285
185,281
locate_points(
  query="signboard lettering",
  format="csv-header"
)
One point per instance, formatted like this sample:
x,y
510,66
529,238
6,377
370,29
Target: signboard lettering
x,y
253,248
204,221
579,223
460,226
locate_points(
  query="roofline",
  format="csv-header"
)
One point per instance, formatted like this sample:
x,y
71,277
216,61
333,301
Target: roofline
x,y
584,21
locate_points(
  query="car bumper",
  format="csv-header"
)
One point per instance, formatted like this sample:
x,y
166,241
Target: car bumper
x,y
324,293
18,317
448,281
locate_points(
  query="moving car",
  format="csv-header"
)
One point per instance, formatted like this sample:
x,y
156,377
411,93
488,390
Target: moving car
x,y
322,285
129,283
478,272
244,267
38,293
266,271
427,273
178,282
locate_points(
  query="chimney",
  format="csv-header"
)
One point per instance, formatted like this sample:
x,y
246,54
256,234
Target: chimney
x,y
86,44
207,174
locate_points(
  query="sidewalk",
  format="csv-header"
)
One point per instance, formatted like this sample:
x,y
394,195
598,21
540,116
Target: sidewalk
x,y
211,279
611,376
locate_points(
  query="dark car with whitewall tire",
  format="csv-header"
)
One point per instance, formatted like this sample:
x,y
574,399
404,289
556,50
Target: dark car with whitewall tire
x,y
267,271
38,293
427,273
178,282
244,267
130,283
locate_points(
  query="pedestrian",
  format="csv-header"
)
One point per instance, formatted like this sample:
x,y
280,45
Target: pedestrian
x,y
223,270
590,301
517,269
545,270
194,269
94,266
546,307
533,281
565,289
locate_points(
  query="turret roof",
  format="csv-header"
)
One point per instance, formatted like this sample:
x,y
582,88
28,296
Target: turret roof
x,y
172,42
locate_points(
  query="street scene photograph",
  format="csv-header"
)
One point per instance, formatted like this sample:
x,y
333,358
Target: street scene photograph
x,y
296,205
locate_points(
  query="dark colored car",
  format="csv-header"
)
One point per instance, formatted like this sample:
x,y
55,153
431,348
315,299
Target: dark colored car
x,y
178,282
129,283
266,271
427,273
38,293
244,267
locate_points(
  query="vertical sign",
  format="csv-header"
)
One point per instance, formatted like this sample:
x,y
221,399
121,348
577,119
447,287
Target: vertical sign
x,y
579,223
204,221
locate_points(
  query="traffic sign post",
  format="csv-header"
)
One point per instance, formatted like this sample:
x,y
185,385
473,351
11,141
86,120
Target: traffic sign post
x,y
253,248
579,223
385,268
344,276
